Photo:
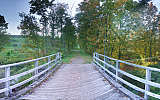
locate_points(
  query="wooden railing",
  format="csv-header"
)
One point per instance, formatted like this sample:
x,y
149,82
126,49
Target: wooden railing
x,y
102,62
51,61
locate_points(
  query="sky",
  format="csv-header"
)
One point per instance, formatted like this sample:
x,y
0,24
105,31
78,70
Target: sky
x,y
73,4
10,10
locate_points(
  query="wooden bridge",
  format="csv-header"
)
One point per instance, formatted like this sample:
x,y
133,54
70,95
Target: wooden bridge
x,y
53,80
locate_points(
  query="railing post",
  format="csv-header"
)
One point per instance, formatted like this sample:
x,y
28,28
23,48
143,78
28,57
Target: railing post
x,y
117,68
49,59
7,84
94,56
97,56
60,56
36,71
57,57
105,61
147,86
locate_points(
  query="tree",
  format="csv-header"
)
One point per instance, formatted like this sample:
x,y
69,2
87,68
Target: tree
x,y
29,29
69,35
149,23
61,14
53,20
3,32
88,21
40,7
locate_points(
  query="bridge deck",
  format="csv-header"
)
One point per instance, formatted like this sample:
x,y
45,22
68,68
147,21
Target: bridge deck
x,y
76,82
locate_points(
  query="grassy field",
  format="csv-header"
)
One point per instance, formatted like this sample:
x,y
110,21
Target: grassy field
x,y
15,52
10,51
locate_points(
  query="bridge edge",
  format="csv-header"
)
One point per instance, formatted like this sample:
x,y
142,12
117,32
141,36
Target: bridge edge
x,y
117,85
27,90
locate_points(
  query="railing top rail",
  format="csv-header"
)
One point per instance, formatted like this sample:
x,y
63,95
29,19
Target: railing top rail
x,y
24,62
147,81
107,57
131,64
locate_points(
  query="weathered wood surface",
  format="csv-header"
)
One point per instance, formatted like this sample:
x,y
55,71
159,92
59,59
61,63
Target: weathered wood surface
x,y
97,59
76,82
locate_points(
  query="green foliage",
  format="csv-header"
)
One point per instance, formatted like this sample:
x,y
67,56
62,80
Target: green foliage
x,y
88,25
122,29
111,28
69,35
40,6
4,39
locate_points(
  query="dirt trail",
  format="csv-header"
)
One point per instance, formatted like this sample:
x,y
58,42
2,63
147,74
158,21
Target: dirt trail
x,y
77,60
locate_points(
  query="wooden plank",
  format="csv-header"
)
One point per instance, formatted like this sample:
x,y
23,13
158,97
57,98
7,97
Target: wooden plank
x,y
111,66
35,84
7,78
153,94
146,81
122,80
147,85
24,62
117,70
7,83
24,73
134,65
28,80
118,86
74,82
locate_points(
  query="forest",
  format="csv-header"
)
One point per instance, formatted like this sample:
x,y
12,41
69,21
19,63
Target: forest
x,y
123,29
